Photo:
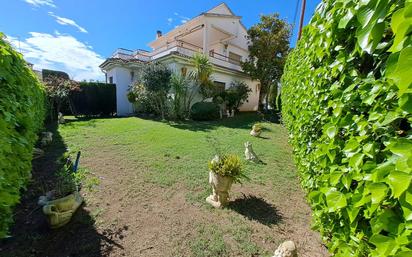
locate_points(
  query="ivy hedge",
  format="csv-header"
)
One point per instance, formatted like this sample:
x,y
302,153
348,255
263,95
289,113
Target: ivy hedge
x,y
21,116
347,103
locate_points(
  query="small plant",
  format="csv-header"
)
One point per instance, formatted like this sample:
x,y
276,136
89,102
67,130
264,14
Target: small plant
x,y
257,127
228,166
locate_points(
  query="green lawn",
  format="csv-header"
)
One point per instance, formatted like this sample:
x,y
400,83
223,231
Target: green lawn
x,y
153,179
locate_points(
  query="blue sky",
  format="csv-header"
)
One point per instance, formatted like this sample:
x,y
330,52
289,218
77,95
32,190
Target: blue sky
x,y
77,35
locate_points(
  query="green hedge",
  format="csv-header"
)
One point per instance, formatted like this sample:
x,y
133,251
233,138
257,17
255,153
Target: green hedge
x,y
204,111
21,116
347,102
94,98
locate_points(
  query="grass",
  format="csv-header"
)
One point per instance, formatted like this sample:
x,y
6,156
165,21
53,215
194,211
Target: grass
x,y
141,159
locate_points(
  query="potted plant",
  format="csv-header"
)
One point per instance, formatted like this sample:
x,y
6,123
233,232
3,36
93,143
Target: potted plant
x,y
223,172
256,130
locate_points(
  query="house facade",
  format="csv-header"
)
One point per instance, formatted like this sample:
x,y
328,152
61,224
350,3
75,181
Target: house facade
x,y
217,33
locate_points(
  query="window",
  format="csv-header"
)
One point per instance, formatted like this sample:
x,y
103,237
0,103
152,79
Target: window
x,y
183,71
235,58
220,86
111,80
131,76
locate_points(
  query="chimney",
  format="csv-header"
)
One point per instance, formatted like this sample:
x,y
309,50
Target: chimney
x,y
158,34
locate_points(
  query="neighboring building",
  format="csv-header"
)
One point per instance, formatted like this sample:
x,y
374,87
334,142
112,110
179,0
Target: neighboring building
x,y
217,33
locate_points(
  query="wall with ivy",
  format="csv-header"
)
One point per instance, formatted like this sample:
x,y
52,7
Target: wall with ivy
x,y
347,102
21,117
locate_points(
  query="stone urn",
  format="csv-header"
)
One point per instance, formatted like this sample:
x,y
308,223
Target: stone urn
x,y
60,211
221,186
286,249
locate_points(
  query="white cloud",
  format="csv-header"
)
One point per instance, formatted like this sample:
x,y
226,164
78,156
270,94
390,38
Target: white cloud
x,y
60,52
169,21
38,3
183,19
66,21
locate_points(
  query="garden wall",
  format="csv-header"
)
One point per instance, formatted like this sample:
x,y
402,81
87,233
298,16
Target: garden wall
x,y
22,110
347,102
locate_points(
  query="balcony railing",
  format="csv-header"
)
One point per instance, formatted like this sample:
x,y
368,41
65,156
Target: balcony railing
x,y
127,54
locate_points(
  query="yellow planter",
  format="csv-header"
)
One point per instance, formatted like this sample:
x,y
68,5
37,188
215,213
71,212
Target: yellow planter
x,y
60,211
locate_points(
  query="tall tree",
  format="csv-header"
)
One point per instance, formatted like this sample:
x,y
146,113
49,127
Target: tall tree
x,y
268,49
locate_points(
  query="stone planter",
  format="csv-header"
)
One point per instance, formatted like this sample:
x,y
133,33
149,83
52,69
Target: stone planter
x,y
255,133
221,186
60,211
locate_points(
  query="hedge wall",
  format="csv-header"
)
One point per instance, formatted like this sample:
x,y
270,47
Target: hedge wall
x,y
94,98
347,102
21,116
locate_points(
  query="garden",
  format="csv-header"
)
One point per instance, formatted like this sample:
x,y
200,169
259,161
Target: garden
x,y
198,178
145,184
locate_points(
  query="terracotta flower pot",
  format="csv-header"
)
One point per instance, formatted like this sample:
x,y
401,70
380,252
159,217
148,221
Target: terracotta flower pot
x,y
221,186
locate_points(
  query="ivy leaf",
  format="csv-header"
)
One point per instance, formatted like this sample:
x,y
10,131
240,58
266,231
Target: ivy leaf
x,y
405,102
384,244
356,161
399,182
335,200
402,72
401,147
345,20
406,203
331,130
378,192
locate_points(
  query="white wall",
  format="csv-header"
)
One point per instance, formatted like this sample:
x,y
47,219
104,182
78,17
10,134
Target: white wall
x,y
122,79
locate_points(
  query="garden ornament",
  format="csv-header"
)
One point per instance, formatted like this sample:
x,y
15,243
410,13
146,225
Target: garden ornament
x,y
233,114
61,118
60,211
221,186
47,138
286,249
228,113
250,155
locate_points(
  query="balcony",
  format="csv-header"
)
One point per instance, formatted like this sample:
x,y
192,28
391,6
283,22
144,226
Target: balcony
x,y
126,54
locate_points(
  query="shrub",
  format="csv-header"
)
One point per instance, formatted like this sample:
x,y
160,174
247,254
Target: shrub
x,y
204,111
183,91
236,94
93,98
153,87
347,102
227,165
21,116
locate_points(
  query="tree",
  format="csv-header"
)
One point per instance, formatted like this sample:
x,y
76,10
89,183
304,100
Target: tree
x,y
152,88
183,89
58,89
236,94
202,73
268,49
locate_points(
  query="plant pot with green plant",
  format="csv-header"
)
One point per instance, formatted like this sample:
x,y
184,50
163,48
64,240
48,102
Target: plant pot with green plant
x,y
223,172
256,130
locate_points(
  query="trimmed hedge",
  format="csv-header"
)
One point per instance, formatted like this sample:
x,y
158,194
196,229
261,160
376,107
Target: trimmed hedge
x,y
22,112
94,98
204,111
347,102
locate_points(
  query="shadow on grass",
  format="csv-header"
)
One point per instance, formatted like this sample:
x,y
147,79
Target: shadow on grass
x,y
257,209
30,234
240,121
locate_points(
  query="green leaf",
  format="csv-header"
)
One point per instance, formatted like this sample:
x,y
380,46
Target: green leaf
x,y
399,182
378,192
403,70
356,161
335,200
345,20
331,130
401,146
405,102
406,203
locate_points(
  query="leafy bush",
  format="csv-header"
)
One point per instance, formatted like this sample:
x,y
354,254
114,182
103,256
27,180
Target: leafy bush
x,y
227,165
236,94
183,91
257,127
204,111
153,87
347,102
21,116
93,98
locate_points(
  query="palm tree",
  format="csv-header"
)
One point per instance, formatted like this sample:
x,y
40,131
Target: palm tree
x,y
202,75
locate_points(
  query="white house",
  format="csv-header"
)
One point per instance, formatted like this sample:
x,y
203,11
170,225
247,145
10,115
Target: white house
x,y
217,33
